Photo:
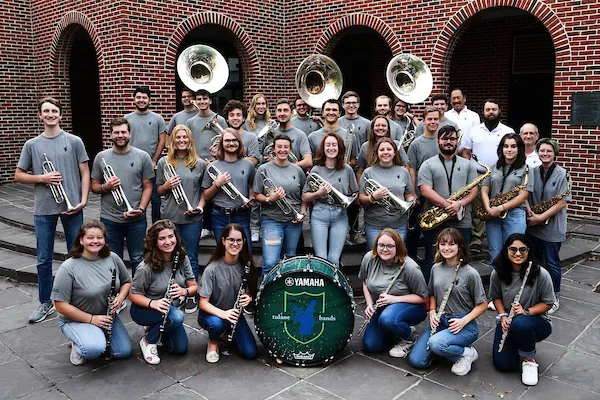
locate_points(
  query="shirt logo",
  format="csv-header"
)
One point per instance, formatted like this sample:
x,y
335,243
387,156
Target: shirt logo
x,y
398,176
553,183
65,148
458,169
243,172
131,164
294,177
340,180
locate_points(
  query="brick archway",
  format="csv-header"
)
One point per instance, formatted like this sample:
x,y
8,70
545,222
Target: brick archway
x,y
325,43
244,45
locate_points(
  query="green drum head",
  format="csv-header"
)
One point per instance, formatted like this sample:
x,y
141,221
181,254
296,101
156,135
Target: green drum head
x,y
305,311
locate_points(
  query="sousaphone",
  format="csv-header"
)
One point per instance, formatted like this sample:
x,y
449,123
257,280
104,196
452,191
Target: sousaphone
x,y
318,79
409,78
202,67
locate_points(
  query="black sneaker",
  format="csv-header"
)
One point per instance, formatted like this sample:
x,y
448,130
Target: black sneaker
x,y
190,305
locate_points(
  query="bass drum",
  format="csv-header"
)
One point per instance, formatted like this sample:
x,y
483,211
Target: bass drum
x,y
305,312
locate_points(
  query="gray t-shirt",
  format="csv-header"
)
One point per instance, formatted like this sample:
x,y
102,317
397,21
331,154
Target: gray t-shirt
x,y
251,144
361,160
291,178
300,145
421,126
154,284
361,127
468,288
433,174
260,123
556,230
242,177
131,168
191,178
86,284
202,137
315,138
66,152
306,125
397,180
378,275
180,119
341,179
540,292
502,180
145,129
220,283
422,149
402,123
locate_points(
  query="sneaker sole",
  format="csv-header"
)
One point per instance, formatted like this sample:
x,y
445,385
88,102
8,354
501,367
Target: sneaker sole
x,y
191,310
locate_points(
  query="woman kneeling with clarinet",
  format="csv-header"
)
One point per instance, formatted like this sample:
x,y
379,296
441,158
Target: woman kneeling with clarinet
x,y
522,293
457,288
164,276
81,288
227,286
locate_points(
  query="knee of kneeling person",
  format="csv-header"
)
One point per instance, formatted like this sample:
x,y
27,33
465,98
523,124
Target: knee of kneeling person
x,y
176,316
437,345
123,352
519,324
418,361
93,350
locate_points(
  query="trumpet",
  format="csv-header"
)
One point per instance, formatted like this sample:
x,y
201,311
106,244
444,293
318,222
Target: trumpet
x,y
270,152
178,192
283,204
348,142
229,189
58,191
315,181
117,193
391,202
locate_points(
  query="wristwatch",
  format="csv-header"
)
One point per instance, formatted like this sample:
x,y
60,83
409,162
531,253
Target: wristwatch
x,y
527,312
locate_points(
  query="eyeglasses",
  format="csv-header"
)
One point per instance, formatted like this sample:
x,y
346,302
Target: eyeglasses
x,y
522,250
351,103
383,246
449,139
230,140
400,106
235,241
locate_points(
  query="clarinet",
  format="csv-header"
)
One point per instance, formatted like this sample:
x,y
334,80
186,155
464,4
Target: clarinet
x,y
511,314
110,313
237,305
440,311
163,322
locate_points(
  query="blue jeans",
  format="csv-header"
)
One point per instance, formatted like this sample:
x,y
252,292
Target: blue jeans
x,y
444,344
155,201
174,338
90,342
45,227
134,232
190,234
430,239
498,230
372,232
546,254
524,332
243,339
279,239
328,225
391,324
220,220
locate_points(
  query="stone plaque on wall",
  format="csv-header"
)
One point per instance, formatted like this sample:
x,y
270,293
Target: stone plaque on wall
x,y
585,108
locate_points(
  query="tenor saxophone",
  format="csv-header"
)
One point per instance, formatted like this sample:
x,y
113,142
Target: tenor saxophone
x,y
437,215
544,206
503,198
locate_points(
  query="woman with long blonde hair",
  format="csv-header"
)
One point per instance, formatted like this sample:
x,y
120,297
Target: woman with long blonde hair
x,y
258,114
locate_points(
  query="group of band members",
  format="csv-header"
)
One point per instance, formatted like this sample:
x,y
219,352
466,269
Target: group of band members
x,y
229,174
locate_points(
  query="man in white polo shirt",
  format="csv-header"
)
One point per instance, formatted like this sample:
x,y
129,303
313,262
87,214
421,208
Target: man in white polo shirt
x,y
530,135
464,118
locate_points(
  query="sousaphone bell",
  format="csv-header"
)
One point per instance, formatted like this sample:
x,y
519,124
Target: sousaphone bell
x,y
318,79
202,67
409,78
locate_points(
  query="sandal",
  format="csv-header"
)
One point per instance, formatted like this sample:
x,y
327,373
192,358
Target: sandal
x,y
150,352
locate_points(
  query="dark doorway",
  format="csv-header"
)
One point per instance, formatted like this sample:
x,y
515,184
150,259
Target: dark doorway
x,y
507,54
224,41
85,92
362,54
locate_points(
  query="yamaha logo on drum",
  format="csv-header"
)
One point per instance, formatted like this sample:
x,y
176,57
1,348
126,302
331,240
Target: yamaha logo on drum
x,y
314,282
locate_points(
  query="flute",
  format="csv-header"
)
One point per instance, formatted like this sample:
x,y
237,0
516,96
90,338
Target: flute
x,y
511,314
440,311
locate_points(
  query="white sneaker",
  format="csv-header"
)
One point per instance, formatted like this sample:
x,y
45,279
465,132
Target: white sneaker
x,y
491,306
150,352
255,236
554,307
463,365
530,373
403,347
75,358
123,306
205,233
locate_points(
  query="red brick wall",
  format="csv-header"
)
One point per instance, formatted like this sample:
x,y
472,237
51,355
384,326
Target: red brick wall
x,y
137,43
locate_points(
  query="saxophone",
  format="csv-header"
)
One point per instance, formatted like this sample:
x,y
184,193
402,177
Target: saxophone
x,y
109,312
503,198
436,215
543,206
440,310
511,313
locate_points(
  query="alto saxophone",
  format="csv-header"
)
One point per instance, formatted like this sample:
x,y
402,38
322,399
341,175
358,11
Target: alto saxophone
x,y
440,310
110,313
437,215
503,198
544,206
511,313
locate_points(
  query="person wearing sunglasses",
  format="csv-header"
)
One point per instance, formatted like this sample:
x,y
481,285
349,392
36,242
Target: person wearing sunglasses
x,y
530,323
395,293
219,288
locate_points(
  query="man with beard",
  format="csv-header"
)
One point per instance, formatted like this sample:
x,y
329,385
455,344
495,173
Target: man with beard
x,y
202,137
235,112
302,120
189,110
530,135
483,140
133,173
351,104
439,101
464,118
67,154
383,106
331,114
235,169
439,177
148,133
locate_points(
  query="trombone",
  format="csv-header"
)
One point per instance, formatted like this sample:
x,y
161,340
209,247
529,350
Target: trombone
x,y
390,201
58,190
349,141
178,192
283,203
229,189
315,181
117,193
